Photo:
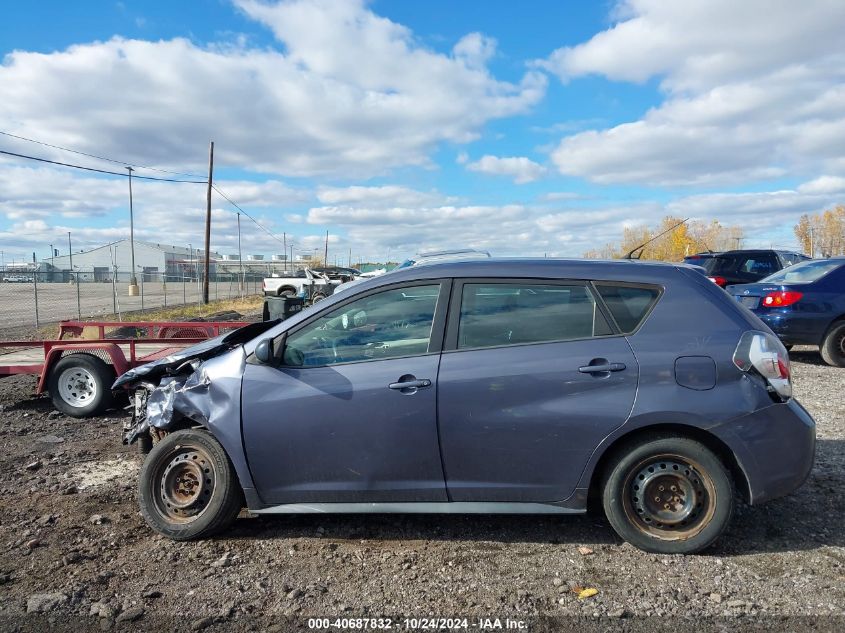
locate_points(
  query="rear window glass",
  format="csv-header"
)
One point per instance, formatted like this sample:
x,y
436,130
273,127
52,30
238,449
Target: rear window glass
x,y
761,264
805,272
521,313
629,305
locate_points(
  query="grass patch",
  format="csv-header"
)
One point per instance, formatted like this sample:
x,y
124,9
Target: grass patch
x,y
248,306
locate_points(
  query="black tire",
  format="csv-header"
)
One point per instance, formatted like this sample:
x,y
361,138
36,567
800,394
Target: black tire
x,y
80,385
317,297
833,346
684,504
286,292
178,504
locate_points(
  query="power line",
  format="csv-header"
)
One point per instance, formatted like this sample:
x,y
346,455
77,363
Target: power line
x,y
99,171
109,160
256,222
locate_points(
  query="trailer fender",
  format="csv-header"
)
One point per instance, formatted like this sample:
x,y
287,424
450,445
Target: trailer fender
x,y
54,353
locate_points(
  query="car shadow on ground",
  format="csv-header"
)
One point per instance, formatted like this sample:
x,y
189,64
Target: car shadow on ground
x,y
810,518
807,356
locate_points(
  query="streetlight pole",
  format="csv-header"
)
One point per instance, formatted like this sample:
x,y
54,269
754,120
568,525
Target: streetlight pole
x,y
133,281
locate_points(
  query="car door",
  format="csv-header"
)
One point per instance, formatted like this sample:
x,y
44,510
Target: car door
x,y
532,377
349,413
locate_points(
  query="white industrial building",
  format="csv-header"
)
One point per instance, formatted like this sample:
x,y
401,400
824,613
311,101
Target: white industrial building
x,y
151,260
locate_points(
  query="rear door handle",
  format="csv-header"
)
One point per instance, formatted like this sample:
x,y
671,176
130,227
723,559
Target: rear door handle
x,y
597,369
410,384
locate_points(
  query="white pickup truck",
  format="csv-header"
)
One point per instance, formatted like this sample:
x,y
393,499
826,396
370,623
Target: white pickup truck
x,y
305,283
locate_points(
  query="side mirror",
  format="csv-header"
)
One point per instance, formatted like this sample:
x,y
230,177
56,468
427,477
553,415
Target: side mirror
x,y
264,351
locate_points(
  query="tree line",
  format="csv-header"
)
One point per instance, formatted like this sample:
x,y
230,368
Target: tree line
x,y
820,235
687,238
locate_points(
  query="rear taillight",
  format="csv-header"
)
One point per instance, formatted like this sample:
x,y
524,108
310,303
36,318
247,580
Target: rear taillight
x,y
764,354
719,281
781,298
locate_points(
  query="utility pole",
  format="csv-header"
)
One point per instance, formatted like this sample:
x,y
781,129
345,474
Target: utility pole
x,y
326,255
133,281
208,223
812,244
285,247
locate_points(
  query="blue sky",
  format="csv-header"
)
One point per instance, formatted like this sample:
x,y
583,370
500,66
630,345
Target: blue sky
x,y
402,126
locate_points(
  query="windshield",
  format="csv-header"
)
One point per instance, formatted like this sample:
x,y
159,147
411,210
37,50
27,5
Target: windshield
x,y
805,272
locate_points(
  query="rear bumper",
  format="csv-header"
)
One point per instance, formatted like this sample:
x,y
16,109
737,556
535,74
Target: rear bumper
x,y
792,330
775,447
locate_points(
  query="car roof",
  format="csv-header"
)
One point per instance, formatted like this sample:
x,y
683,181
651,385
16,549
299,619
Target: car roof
x,y
751,251
539,268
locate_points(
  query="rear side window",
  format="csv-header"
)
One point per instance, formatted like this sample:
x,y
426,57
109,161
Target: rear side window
x,y
521,313
629,305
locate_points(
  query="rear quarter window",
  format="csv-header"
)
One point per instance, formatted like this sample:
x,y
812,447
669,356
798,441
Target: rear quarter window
x,y
629,305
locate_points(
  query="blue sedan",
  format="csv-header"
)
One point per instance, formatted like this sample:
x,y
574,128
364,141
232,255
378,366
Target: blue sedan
x,y
803,304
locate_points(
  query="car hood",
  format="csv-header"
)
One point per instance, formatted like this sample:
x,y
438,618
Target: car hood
x,y
201,351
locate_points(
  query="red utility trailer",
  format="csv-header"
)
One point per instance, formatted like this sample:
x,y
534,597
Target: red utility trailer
x,y
79,367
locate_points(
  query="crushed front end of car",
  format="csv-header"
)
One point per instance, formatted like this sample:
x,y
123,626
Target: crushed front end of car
x,y
197,386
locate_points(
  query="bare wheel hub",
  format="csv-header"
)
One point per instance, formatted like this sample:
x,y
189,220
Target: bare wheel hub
x,y
668,494
185,484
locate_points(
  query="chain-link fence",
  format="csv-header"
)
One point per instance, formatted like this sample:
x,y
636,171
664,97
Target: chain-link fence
x,y
35,299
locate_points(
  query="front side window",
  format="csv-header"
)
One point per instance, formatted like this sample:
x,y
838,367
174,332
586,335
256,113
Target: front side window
x,y
520,313
384,325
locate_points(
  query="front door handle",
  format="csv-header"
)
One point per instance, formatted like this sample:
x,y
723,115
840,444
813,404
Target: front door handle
x,y
603,368
410,384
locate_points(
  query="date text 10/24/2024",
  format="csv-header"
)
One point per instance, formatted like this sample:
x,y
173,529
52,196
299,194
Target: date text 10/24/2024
x,y
418,624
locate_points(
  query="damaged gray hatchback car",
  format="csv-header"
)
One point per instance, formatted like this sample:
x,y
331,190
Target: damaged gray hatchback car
x,y
491,386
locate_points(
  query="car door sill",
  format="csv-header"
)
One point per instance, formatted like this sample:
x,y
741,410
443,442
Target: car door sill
x,y
453,507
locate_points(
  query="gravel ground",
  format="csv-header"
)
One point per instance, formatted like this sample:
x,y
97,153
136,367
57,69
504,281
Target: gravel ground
x,y
75,554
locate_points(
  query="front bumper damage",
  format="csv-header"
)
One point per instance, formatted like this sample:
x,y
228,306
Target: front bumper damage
x,y
178,387
183,396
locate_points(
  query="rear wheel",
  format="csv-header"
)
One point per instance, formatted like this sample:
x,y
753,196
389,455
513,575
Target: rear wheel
x,y
80,385
188,488
669,495
833,347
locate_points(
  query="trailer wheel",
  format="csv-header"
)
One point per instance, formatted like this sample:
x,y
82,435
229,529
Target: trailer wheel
x,y
80,385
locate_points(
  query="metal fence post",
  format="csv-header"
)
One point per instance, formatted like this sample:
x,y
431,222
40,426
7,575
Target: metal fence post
x,y
142,291
35,286
78,302
184,296
164,289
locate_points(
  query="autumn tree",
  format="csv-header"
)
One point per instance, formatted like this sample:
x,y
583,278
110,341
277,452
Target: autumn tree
x,y
676,243
822,234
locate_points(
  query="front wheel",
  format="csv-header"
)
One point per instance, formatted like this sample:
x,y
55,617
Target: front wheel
x,y
188,488
833,346
668,496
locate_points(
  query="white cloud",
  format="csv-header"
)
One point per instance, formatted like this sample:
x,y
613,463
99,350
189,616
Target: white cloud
x,y
520,168
44,203
384,196
754,90
346,93
475,49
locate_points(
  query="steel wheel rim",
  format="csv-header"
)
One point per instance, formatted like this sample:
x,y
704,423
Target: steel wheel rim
x,y
184,484
77,386
658,510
